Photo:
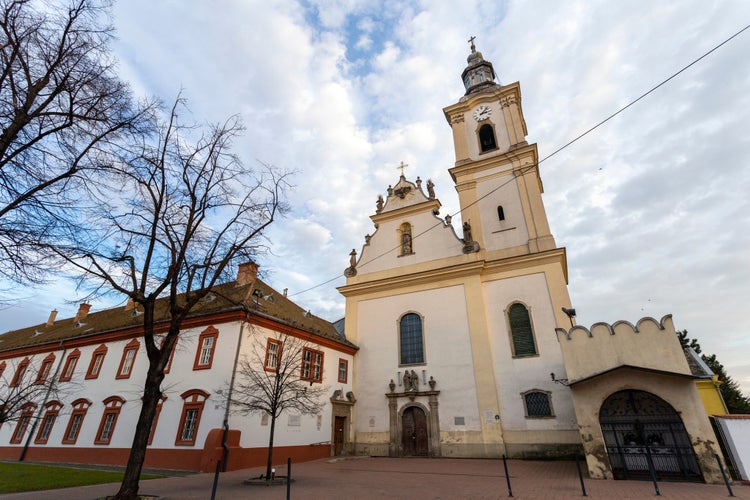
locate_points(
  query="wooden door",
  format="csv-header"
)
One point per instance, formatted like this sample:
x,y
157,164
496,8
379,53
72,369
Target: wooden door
x,y
414,432
338,435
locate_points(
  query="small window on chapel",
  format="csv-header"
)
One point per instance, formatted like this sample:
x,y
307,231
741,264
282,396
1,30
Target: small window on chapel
x,y
500,213
406,239
487,138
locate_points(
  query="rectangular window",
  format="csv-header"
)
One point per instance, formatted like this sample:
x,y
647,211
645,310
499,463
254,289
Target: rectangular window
x,y
206,350
70,366
44,371
273,349
343,370
97,361
107,426
188,427
127,364
312,365
204,356
21,426
46,428
73,428
96,365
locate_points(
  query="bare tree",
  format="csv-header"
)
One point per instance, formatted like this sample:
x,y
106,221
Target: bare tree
x,y
187,212
275,378
62,109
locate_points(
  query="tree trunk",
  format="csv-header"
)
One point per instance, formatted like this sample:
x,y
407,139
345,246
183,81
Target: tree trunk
x,y
151,397
269,462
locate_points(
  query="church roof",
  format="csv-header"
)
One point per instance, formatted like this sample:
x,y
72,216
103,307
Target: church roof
x,y
257,297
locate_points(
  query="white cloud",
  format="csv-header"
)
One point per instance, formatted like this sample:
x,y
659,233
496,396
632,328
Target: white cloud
x,y
652,206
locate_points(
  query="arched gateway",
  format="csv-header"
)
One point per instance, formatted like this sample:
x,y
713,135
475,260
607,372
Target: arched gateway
x,y
640,428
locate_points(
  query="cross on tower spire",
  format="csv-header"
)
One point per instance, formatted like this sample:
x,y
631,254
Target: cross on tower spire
x,y
471,41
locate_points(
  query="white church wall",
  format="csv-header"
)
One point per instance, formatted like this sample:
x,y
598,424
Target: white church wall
x,y
446,343
515,376
512,231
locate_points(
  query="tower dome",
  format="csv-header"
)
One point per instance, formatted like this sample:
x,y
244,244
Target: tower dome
x,y
479,74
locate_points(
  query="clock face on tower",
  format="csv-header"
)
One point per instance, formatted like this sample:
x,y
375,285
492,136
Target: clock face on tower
x,y
482,113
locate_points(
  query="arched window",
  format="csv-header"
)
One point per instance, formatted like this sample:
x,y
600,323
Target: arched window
x,y
537,404
521,333
411,342
406,240
500,213
487,138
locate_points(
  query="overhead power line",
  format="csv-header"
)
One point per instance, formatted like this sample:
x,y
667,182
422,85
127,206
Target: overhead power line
x,y
553,153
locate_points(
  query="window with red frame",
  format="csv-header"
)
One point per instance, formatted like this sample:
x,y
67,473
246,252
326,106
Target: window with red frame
x,y
343,370
312,365
2,368
112,407
128,359
27,411
70,365
97,360
156,419
48,421
45,369
273,355
80,408
192,409
20,372
204,356
171,354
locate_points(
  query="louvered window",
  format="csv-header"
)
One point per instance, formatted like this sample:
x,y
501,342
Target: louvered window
x,y
520,331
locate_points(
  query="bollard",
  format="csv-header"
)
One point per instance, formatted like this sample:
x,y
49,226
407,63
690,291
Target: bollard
x,y
580,476
507,476
724,475
216,479
288,478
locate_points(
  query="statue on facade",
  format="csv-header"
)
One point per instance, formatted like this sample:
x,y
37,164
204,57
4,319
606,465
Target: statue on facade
x,y
411,381
467,232
379,204
430,189
352,269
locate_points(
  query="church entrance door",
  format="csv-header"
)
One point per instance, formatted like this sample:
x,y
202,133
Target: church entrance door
x,y
414,432
643,432
338,435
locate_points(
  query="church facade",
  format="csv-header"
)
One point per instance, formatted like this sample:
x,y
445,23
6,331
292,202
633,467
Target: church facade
x,y
468,346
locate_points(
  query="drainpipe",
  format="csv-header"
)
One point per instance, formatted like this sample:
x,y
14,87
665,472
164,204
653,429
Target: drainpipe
x,y
41,407
229,398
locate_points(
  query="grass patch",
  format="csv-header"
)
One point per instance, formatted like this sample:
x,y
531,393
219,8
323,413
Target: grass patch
x,y
16,477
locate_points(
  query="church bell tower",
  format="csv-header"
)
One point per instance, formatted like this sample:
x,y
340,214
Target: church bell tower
x,y
496,171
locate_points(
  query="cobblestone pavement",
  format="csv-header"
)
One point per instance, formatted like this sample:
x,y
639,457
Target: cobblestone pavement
x,y
414,479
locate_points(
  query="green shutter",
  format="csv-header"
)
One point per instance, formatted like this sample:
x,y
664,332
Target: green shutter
x,y
520,330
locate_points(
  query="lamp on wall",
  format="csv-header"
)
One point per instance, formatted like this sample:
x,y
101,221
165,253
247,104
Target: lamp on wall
x,y
570,313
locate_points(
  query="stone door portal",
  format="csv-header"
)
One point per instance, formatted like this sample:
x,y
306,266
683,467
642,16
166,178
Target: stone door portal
x,y
414,432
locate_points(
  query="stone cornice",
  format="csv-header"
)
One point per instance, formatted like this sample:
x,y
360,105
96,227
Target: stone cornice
x,y
398,213
480,267
512,157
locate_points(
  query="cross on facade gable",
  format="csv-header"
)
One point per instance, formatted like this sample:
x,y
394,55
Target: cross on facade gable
x,y
402,167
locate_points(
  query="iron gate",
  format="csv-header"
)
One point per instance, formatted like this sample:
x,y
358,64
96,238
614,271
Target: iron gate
x,y
642,431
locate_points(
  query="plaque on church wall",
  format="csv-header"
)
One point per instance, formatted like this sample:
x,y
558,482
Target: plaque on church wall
x,y
294,421
489,416
459,421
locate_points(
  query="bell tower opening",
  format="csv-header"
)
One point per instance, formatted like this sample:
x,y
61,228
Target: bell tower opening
x,y
487,138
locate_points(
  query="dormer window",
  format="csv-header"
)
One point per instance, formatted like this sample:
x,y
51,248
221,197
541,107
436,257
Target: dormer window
x,y
487,138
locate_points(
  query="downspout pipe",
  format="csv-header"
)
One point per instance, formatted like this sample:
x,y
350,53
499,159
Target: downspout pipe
x,y
44,402
229,397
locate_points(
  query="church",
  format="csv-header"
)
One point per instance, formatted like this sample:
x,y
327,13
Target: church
x,y
456,342
468,346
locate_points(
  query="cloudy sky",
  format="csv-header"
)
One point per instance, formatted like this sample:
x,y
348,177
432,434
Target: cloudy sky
x,y
653,207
